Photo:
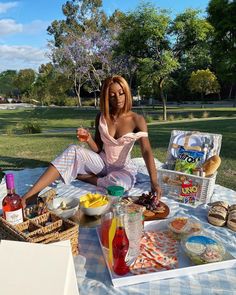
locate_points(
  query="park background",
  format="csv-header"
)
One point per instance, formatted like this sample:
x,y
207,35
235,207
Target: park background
x,y
181,69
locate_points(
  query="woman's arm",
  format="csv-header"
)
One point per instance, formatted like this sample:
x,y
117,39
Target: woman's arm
x,y
148,157
95,145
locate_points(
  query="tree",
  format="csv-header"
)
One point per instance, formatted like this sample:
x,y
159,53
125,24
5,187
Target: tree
x,y
203,82
50,85
191,34
7,87
24,81
143,38
82,46
222,16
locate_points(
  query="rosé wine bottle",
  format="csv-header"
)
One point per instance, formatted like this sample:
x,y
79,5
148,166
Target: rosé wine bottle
x,y
11,204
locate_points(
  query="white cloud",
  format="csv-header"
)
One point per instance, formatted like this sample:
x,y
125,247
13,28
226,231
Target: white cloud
x,y
4,7
35,27
9,26
21,57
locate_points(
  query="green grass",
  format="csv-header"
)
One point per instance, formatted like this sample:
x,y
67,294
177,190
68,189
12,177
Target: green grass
x,y
20,150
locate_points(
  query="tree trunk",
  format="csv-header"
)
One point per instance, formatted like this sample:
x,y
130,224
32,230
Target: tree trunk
x,y
230,91
163,99
77,91
95,99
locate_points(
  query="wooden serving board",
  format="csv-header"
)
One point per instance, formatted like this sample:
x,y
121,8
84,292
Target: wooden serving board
x,y
150,215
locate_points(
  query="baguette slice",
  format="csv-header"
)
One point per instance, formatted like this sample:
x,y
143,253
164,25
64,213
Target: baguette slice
x,y
211,165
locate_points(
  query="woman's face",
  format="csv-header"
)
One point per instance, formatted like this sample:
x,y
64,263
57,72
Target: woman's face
x,y
116,96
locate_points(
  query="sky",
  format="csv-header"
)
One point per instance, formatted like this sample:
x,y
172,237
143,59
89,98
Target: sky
x,y
23,26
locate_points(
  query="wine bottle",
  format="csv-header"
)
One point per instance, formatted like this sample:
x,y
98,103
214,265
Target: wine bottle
x,y
11,204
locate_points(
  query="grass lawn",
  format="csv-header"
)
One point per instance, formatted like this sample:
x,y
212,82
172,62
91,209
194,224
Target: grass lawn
x,y
18,150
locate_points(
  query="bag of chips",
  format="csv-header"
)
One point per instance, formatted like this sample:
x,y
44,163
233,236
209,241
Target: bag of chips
x,y
188,160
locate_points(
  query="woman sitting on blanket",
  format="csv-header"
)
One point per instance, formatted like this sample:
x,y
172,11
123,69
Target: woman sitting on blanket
x,y
108,160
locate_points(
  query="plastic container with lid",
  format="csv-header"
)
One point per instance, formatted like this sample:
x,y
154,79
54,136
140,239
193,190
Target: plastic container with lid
x,y
115,192
183,226
203,249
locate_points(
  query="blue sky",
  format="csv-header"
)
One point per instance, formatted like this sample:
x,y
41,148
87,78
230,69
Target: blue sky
x,y
23,25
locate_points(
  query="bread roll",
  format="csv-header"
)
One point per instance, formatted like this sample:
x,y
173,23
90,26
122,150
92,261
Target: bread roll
x,y
217,215
211,165
231,223
232,208
221,203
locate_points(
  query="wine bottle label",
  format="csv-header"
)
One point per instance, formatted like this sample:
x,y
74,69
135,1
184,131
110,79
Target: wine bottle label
x,y
14,217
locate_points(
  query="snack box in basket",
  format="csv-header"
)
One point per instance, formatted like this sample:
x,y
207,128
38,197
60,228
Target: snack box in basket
x,y
184,187
46,228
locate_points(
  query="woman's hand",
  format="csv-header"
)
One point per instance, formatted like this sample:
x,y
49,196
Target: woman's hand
x,y
156,189
83,134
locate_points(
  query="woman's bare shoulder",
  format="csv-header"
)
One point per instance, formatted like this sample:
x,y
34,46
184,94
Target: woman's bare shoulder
x,y
137,117
139,121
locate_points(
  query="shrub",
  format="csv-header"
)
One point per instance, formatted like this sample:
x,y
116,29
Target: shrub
x,y
191,116
10,130
179,117
205,114
70,102
160,118
171,118
92,124
32,127
149,119
88,103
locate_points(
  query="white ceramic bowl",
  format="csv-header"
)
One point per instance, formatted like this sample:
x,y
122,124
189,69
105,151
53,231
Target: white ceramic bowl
x,y
96,210
71,203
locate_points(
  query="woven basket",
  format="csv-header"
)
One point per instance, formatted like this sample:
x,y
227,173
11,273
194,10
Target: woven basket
x,y
46,228
171,180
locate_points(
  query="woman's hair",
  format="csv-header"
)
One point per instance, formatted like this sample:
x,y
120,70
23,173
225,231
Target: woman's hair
x,y
104,96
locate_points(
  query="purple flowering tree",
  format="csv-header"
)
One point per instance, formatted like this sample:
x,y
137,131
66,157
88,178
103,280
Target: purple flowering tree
x,y
85,59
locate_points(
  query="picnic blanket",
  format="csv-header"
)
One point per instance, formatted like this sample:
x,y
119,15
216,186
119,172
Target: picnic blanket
x,y
92,274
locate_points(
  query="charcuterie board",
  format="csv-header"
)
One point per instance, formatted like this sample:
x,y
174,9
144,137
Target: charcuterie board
x,y
153,208
160,213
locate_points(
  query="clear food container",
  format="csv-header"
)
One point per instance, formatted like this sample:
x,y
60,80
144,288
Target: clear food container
x,y
203,249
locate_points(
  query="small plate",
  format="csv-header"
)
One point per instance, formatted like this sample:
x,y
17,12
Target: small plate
x,y
194,140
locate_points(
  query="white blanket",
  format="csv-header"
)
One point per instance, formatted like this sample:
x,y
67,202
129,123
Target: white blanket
x,y
25,178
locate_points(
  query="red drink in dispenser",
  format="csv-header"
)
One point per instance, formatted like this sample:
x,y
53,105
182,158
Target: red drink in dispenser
x,y
105,226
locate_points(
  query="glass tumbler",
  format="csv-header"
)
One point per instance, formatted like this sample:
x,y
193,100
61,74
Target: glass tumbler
x,y
134,229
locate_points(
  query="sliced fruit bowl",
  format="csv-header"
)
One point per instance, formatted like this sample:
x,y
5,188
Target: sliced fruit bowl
x,y
93,204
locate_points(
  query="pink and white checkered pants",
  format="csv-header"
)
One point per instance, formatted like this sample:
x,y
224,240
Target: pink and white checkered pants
x,y
78,160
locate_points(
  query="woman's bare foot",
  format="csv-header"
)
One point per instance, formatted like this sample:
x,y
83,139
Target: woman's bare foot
x,y
90,178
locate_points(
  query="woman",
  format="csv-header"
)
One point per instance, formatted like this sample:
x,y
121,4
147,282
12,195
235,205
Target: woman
x,y
108,160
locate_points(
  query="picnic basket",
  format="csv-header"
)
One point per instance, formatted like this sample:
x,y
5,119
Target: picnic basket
x,y
45,228
171,181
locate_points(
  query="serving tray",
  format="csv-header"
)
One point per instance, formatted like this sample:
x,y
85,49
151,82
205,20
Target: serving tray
x,y
185,266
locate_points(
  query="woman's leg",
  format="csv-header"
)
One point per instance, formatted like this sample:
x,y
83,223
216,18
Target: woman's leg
x,y
77,162
72,161
50,175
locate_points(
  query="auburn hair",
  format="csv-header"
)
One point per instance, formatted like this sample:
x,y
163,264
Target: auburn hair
x,y
104,95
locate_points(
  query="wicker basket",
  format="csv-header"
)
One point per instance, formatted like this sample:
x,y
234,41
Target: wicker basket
x,y
172,181
46,228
